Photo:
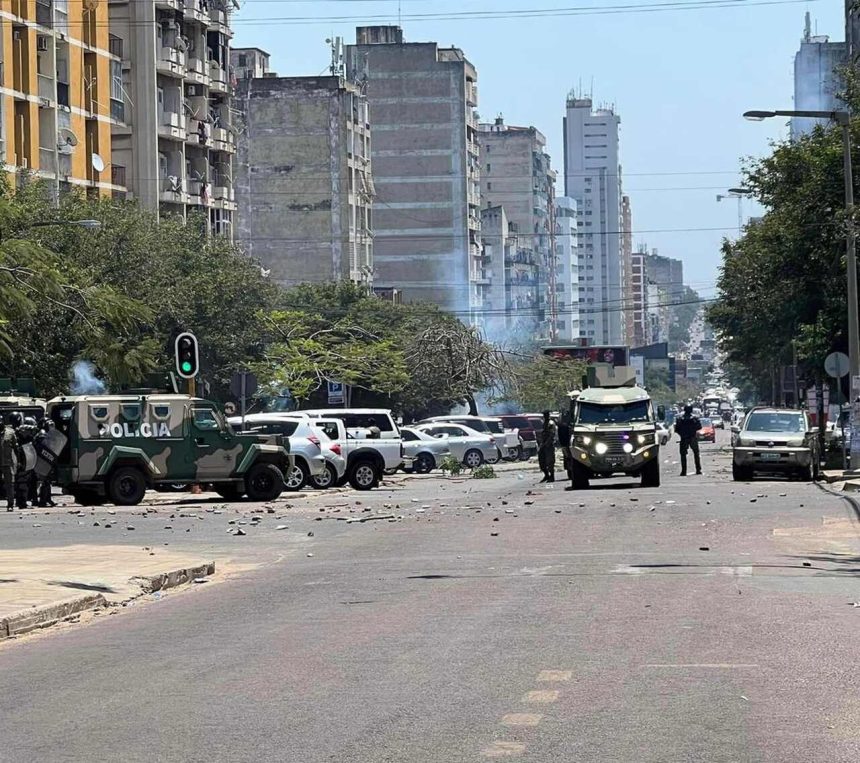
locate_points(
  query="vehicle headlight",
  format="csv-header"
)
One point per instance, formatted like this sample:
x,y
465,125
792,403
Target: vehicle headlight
x,y
582,439
601,448
628,447
643,438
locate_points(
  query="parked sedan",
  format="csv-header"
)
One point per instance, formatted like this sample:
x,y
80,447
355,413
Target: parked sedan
x,y
470,447
425,450
305,443
707,432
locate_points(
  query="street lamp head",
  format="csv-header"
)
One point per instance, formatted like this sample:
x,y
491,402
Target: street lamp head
x,y
88,224
758,116
741,191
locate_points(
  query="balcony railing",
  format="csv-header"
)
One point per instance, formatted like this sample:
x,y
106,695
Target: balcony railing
x,y
46,87
48,160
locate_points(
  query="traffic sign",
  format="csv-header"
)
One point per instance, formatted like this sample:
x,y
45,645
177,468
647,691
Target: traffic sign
x,y
243,384
336,393
836,365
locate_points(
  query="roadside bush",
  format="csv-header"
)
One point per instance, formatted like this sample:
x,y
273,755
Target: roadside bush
x,y
485,472
450,465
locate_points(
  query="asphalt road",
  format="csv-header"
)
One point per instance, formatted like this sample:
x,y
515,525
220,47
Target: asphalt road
x,y
704,621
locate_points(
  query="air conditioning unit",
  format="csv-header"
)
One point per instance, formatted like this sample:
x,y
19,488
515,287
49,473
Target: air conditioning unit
x,y
41,43
193,90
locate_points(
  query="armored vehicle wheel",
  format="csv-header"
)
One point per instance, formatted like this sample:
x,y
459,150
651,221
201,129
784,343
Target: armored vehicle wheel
x,y
229,491
651,474
87,498
363,476
327,479
264,482
127,486
579,477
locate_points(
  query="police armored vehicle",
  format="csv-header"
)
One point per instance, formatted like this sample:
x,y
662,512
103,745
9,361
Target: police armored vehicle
x,y
613,429
114,447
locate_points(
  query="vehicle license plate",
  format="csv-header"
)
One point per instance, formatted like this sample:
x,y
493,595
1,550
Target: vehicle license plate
x,y
770,456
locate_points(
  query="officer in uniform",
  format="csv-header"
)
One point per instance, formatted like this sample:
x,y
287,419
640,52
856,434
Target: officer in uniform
x,y
546,448
43,496
9,457
687,427
25,479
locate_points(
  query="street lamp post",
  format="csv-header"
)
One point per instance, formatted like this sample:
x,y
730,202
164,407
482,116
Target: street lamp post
x,y
739,194
843,119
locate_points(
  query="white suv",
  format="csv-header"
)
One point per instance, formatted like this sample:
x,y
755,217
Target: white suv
x,y
306,443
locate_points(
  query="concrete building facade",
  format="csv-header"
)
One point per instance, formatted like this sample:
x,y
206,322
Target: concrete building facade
x,y
516,174
175,148
567,271
59,99
627,260
303,178
592,174
667,273
816,78
639,299
427,214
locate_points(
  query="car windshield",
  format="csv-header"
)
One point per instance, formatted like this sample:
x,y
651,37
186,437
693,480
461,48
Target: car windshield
x,y
494,426
622,413
775,422
707,423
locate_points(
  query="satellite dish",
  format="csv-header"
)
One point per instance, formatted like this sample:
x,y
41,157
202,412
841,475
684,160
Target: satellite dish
x,y
98,163
67,136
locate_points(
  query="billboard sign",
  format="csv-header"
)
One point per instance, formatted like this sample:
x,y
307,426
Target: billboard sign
x,y
611,355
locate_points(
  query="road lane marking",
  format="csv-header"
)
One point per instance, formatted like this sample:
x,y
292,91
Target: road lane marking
x,y
543,696
521,719
555,675
719,665
502,749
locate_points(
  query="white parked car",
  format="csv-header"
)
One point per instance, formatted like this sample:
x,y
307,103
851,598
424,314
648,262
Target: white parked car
x,y
334,452
425,450
305,443
507,440
470,447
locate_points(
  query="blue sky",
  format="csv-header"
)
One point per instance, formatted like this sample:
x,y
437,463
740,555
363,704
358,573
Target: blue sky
x,y
679,79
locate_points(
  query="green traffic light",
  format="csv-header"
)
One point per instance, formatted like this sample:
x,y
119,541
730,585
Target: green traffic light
x,y
186,366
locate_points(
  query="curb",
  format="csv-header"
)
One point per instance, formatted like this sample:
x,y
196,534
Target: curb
x,y
152,583
42,617
50,614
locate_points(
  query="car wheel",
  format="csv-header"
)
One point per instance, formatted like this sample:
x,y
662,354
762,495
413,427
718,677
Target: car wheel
x,y
390,472
473,458
496,458
363,475
264,482
127,486
297,477
424,463
327,479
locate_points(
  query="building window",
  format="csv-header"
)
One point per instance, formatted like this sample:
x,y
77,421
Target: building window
x,y
243,59
489,186
115,45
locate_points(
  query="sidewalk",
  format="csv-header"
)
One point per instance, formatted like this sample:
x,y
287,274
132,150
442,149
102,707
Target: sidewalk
x,y
41,586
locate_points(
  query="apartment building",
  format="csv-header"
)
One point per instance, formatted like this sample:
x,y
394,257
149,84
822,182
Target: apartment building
x,y
638,311
175,146
593,177
568,323
516,174
303,175
426,215
627,265
57,104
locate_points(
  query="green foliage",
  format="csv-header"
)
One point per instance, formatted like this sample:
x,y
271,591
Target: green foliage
x,y
541,383
451,466
484,472
783,282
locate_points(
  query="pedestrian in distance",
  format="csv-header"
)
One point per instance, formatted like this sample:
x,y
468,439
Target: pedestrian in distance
x,y
9,457
687,427
546,448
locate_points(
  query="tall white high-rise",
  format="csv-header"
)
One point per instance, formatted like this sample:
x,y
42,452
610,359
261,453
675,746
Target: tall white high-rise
x,y
592,176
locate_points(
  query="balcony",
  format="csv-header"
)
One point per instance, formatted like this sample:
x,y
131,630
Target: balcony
x,y
194,11
48,160
223,140
220,21
46,88
171,62
168,5
65,164
222,193
172,125
174,190
217,78
196,71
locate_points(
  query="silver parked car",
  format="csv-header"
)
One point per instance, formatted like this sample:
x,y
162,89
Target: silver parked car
x,y
775,440
470,447
425,450
305,443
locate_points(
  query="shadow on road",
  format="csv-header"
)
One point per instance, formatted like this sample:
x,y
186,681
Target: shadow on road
x,y
82,586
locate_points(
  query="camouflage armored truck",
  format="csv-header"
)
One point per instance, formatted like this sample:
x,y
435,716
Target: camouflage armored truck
x,y
114,447
613,429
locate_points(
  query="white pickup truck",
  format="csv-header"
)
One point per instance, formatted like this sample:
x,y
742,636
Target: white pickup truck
x,y
367,458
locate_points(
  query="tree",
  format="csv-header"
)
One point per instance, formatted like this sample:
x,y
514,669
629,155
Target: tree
x,y
542,383
782,284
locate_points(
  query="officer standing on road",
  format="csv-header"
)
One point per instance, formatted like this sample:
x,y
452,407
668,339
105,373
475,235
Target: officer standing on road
x,y
564,442
9,457
546,445
25,480
43,496
687,427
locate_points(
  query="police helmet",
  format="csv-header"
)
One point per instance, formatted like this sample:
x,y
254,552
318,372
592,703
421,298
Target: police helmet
x,y
29,421
13,419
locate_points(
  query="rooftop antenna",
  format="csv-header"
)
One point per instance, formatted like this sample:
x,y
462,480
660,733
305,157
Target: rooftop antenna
x,y
399,14
806,28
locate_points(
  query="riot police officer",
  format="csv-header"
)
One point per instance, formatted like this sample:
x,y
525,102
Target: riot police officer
x,y
9,457
687,427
